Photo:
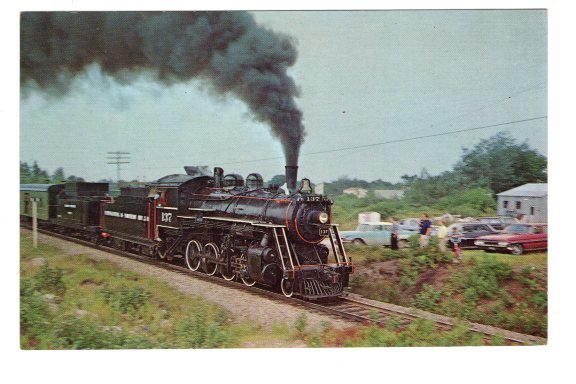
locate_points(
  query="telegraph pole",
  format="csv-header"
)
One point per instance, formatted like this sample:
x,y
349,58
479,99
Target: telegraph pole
x,y
118,158
34,222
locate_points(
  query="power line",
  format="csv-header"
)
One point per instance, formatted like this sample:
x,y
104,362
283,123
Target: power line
x,y
344,148
117,158
393,141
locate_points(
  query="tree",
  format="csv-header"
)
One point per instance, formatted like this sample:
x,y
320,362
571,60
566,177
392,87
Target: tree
x,y
58,176
25,173
499,163
278,180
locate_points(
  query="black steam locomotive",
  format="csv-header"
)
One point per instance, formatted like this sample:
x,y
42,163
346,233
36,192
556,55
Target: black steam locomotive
x,y
220,224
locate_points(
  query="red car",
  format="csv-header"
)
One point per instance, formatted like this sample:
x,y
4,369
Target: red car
x,y
516,238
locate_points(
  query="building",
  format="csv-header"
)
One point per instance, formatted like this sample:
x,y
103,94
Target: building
x,y
358,192
528,202
389,193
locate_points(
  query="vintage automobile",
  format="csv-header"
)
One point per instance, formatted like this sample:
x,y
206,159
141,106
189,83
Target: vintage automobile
x,y
375,234
516,238
413,225
471,231
498,222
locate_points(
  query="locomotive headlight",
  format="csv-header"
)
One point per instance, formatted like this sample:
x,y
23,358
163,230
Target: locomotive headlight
x,y
323,217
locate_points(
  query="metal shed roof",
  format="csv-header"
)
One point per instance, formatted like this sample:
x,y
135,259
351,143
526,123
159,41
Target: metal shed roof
x,y
527,190
38,187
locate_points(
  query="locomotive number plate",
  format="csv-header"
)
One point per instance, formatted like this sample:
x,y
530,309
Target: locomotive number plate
x,y
323,231
313,198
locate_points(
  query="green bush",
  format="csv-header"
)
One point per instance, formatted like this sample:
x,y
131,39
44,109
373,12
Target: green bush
x,y
202,331
428,298
50,280
34,313
125,299
485,277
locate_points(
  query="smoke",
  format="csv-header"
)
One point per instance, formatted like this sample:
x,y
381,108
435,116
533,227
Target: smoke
x,y
228,49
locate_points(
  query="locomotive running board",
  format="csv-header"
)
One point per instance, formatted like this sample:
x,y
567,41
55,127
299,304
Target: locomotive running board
x,y
255,223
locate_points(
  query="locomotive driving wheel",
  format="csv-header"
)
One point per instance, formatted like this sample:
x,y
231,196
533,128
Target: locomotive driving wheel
x,y
211,252
287,287
248,281
192,257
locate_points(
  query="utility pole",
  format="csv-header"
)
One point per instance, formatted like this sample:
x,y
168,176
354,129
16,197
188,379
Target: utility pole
x,y
118,158
34,222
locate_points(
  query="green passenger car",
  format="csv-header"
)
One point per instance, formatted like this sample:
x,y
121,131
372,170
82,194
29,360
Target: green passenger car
x,y
46,195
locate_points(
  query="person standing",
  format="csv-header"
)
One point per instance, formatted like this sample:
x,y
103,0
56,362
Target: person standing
x,y
456,238
425,229
442,237
394,234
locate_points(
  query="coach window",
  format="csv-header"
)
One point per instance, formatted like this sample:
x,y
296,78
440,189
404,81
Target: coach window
x,y
518,204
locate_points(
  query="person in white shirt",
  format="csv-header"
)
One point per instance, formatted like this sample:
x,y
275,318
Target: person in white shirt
x,y
442,237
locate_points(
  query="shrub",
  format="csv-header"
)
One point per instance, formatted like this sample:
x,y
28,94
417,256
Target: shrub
x,y
50,280
485,277
202,331
301,324
34,314
126,299
428,298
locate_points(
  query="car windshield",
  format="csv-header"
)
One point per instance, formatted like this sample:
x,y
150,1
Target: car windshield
x,y
518,229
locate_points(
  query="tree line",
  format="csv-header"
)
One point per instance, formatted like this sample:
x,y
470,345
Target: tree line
x,y
492,166
35,175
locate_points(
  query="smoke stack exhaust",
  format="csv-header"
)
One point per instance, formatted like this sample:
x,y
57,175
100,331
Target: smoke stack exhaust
x,y
228,51
291,177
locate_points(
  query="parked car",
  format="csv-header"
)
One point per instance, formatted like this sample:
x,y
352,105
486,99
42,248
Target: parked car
x,y
471,231
375,234
516,238
413,225
498,222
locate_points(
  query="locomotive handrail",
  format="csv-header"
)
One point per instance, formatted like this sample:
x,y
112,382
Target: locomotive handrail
x,y
255,223
288,250
279,249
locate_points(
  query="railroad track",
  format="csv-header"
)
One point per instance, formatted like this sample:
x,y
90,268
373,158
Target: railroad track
x,y
352,307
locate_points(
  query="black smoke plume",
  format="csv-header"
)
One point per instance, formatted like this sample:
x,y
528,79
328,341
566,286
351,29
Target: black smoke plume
x,y
228,49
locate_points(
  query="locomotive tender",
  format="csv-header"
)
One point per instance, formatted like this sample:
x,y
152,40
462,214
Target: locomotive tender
x,y
217,224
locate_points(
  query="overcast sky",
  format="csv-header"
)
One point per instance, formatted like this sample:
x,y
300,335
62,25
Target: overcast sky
x,y
365,77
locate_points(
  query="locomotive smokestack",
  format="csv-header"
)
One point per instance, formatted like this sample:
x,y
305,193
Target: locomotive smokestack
x,y
291,177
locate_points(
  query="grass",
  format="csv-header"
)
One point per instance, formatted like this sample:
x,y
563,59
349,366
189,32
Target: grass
x,y
528,258
79,303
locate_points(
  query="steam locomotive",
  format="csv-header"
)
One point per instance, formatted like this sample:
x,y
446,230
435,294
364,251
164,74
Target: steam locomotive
x,y
214,223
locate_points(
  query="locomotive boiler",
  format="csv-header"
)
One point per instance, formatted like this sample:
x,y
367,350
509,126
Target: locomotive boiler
x,y
235,227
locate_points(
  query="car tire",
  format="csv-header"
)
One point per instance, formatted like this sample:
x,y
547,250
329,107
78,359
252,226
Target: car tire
x,y
516,249
358,242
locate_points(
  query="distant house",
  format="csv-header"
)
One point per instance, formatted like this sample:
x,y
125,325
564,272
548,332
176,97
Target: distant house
x,y
529,202
358,192
389,193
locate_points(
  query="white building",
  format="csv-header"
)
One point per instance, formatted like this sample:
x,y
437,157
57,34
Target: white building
x,y
358,192
528,200
389,193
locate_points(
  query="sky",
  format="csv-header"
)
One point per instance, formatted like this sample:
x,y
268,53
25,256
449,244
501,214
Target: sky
x,y
365,77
